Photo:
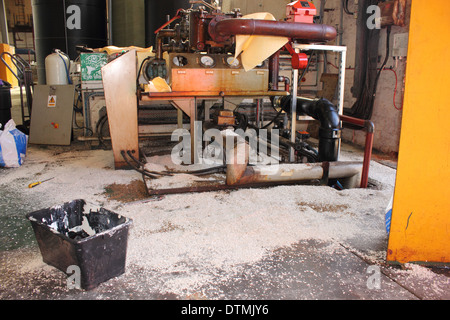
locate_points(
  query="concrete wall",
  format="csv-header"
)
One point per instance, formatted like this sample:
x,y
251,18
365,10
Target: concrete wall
x,y
386,117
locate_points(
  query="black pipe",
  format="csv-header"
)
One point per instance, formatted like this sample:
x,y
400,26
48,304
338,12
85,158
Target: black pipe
x,y
330,125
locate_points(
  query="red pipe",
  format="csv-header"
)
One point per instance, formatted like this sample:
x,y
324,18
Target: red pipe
x,y
370,128
274,70
221,28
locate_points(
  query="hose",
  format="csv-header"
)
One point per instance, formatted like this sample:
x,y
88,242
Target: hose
x,y
130,154
60,53
142,171
200,172
153,174
99,128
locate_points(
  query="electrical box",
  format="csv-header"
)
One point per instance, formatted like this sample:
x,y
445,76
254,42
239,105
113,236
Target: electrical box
x,y
300,11
52,114
400,46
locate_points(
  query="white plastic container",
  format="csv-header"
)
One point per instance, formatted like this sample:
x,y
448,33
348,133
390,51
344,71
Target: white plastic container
x,y
56,69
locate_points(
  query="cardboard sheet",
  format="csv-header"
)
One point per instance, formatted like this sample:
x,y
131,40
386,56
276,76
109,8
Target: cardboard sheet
x,y
256,49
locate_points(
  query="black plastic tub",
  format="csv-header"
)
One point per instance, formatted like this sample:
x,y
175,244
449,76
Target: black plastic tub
x,y
96,242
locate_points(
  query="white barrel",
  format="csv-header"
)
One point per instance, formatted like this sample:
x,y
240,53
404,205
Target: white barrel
x,y
56,69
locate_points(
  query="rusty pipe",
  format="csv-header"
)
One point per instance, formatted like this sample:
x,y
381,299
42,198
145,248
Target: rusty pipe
x,y
370,129
274,70
164,33
221,29
300,172
237,155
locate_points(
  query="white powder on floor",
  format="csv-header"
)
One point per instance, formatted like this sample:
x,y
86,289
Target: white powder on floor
x,y
200,236
188,240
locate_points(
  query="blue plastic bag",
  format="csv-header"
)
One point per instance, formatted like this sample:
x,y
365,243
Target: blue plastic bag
x,y
388,215
13,146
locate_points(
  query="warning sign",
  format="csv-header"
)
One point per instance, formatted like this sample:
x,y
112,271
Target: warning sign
x,y
51,101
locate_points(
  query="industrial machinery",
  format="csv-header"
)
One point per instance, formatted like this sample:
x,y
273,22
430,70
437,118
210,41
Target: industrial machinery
x,y
205,40
203,54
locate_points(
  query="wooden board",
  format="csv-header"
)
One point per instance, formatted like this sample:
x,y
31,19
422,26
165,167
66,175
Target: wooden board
x,y
119,83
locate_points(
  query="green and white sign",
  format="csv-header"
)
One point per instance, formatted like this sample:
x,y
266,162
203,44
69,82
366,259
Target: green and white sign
x,y
91,66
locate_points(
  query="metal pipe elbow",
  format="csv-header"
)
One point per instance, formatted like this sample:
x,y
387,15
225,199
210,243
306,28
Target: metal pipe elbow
x,y
330,125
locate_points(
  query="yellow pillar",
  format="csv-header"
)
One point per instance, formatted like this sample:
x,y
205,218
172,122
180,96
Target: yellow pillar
x,y
420,225
5,73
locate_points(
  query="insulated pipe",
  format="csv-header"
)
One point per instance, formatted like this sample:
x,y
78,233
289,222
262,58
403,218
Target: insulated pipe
x,y
330,127
220,29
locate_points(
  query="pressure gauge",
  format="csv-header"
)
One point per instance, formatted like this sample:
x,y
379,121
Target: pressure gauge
x,y
207,61
180,61
233,62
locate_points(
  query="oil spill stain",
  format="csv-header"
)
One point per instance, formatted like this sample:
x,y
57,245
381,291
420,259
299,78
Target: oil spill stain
x,y
133,191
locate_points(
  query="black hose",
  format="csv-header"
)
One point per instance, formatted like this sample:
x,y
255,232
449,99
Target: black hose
x,y
99,128
142,171
386,58
199,172
345,6
154,174
140,164
363,107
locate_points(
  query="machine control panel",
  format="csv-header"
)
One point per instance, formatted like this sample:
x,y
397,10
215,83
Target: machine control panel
x,y
214,72
199,60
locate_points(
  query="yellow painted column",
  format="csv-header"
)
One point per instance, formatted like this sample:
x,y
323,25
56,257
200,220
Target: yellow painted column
x,y
5,73
420,225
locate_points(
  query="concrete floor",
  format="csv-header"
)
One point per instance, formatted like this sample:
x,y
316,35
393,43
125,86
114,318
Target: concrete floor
x,y
275,253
